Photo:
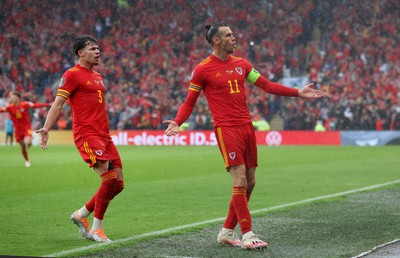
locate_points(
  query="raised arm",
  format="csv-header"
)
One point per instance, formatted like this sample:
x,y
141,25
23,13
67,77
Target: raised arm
x,y
39,105
307,92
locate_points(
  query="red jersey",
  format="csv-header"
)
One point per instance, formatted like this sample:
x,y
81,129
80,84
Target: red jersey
x,y
223,85
84,89
20,116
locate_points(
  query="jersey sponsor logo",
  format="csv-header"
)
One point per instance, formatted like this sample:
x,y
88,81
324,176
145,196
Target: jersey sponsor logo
x,y
218,74
88,83
98,152
239,70
229,71
97,82
232,155
62,82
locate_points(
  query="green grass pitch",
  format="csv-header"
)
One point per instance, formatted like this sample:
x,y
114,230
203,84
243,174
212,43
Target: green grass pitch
x,y
172,186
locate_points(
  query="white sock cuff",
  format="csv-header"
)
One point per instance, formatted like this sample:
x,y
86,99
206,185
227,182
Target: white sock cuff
x,y
83,212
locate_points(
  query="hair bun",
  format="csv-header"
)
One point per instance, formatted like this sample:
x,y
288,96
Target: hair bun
x,y
207,27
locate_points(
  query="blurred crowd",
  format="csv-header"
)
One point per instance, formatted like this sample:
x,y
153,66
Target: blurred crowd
x,y
348,48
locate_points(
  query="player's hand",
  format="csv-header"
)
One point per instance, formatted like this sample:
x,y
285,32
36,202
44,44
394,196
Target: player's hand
x,y
173,127
307,92
44,136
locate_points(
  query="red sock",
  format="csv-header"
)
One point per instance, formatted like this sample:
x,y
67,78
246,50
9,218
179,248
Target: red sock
x,y
105,193
118,188
231,219
240,205
92,202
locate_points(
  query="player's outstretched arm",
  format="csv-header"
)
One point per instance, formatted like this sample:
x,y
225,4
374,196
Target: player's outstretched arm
x,y
39,105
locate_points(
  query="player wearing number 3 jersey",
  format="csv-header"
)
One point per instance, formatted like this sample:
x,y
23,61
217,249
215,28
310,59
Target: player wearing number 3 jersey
x,y
221,77
84,89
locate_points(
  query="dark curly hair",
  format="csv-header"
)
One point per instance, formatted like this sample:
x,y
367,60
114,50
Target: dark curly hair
x,y
83,41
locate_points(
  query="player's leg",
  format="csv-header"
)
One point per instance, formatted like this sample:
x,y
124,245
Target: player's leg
x,y
116,163
229,144
237,209
93,152
28,141
24,153
249,239
89,207
239,200
112,184
231,219
25,144
241,156
103,197
120,182
7,137
241,179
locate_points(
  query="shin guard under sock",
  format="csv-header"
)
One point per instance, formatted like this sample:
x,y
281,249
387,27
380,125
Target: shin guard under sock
x,y
105,193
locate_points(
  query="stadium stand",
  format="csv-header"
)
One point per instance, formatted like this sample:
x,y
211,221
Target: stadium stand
x,y
348,48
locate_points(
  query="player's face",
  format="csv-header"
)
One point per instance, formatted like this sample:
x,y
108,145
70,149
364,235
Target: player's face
x,y
90,54
14,99
228,41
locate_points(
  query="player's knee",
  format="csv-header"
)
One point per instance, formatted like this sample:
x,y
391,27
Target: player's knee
x,y
240,181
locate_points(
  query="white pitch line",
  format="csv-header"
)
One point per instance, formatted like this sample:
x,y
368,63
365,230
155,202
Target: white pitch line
x,y
376,248
192,225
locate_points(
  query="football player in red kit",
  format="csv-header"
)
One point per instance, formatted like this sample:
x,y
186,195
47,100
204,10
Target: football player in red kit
x,y
84,89
221,77
19,115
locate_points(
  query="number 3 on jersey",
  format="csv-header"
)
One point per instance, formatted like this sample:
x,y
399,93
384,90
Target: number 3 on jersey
x,y
233,88
100,96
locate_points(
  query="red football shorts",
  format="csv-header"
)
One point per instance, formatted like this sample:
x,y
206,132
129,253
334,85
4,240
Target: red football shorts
x,y
21,134
93,149
238,145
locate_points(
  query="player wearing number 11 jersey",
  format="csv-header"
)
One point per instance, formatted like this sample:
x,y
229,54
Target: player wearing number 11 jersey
x,y
84,89
221,77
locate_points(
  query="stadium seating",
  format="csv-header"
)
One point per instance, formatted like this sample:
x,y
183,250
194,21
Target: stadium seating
x,y
348,48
